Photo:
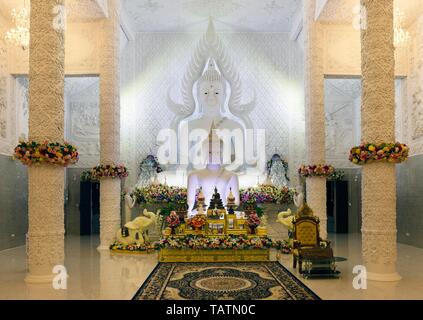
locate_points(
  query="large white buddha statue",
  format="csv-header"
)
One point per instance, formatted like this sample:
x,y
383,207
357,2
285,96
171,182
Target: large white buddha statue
x,y
211,97
211,94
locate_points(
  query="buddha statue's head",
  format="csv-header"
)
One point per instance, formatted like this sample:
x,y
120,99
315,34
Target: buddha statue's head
x,y
211,89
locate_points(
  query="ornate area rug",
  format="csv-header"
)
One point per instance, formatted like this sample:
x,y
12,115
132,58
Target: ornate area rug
x,y
223,281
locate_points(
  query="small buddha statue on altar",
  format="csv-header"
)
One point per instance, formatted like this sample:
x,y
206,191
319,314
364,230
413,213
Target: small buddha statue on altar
x,y
201,199
230,202
200,210
216,201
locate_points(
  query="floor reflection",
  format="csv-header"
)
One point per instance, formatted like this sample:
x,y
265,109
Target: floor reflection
x,y
102,275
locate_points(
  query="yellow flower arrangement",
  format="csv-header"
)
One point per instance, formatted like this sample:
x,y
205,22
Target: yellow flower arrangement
x,y
370,152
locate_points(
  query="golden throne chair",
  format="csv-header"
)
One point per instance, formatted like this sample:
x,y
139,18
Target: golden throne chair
x,y
307,241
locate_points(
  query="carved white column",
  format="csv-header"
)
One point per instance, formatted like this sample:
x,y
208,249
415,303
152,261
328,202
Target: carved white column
x,y
110,125
379,230
314,111
45,238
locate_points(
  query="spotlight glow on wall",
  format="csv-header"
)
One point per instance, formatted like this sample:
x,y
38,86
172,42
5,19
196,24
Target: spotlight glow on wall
x,y
19,35
401,36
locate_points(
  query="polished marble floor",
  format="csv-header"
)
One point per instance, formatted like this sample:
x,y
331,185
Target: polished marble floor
x,y
95,275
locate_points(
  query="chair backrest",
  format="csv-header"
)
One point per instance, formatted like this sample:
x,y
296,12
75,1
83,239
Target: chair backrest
x,y
306,230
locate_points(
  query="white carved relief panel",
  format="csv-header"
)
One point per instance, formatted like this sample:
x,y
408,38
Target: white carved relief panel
x,y
414,114
82,118
5,110
21,104
342,119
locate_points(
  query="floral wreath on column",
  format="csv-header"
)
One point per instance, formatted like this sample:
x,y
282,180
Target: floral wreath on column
x,y
382,152
319,170
109,171
32,152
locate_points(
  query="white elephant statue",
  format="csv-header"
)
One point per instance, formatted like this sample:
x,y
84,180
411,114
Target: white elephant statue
x,y
135,231
285,218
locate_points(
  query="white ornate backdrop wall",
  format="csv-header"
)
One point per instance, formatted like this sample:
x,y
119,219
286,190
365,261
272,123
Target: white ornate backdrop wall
x,y
269,64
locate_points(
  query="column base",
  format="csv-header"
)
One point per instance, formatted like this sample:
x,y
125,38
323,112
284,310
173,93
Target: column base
x,y
383,277
39,279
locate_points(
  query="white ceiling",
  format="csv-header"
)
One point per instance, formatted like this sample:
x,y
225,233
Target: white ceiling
x,y
229,15
193,15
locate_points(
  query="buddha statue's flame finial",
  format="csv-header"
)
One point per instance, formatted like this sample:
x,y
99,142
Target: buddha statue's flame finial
x,y
211,32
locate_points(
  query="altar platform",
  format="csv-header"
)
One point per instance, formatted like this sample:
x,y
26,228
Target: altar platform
x,y
214,255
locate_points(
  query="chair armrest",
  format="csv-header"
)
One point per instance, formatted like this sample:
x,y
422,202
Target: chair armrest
x,y
296,244
325,242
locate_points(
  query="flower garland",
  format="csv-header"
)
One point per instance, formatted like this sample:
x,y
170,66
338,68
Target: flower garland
x,y
161,193
221,243
320,170
267,194
109,171
205,243
117,246
369,152
47,152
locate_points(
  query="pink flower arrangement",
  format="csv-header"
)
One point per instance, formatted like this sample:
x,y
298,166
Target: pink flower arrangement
x,y
47,152
320,170
369,152
109,171
161,194
267,194
253,220
173,220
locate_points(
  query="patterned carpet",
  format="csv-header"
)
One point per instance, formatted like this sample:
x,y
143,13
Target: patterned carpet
x,y
223,281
